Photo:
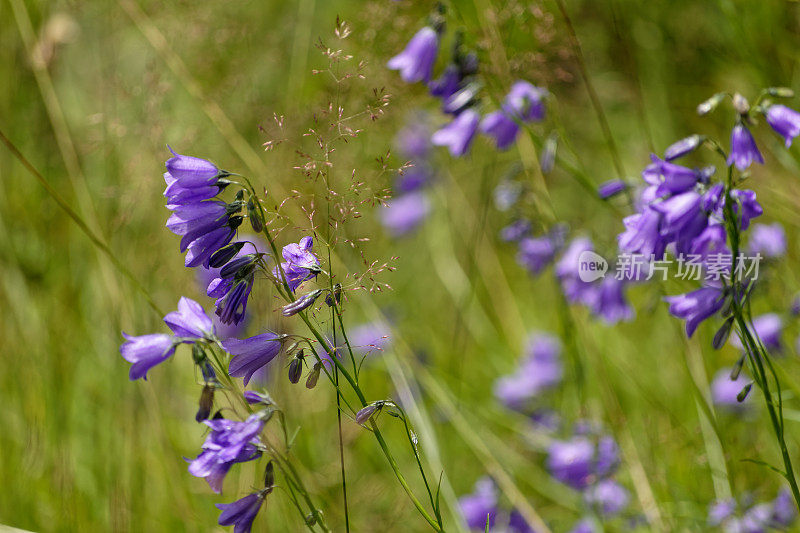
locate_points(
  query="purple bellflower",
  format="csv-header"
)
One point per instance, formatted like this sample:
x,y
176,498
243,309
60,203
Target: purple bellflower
x,y
146,351
190,320
696,306
415,62
192,171
743,148
301,264
682,147
458,134
540,370
501,128
785,122
232,289
251,354
579,463
241,513
607,496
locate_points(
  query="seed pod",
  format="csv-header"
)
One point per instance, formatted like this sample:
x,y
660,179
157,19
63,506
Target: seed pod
x,y
206,403
744,392
224,254
737,368
255,216
722,334
269,476
235,222
313,376
295,369
311,519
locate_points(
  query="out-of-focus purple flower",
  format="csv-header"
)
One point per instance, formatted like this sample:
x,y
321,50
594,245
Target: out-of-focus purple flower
x,y
536,253
750,208
146,351
682,147
192,171
251,354
540,370
768,327
743,148
506,194
785,122
720,511
447,84
696,306
579,463
784,510
480,506
642,234
402,214
458,134
501,128
756,519
546,420
369,337
525,102
611,188
711,241
724,390
566,269
412,179
190,320
769,240
301,264
517,523
608,496
669,177
610,304
242,512
683,216
516,231
585,525
415,62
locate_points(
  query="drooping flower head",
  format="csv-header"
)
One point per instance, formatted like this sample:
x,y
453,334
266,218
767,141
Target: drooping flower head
x,y
146,351
233,287
499,126
743,148
190,320
251,354
415,62
785,121
696,306
242,512
301,264
458,134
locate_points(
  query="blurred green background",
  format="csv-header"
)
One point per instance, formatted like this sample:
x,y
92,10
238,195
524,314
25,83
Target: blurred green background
x,y
91,92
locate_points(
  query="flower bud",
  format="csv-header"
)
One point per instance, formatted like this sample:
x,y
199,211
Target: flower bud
x,y
335,296
304,302
740,104
368,411
710,104
253,397
313,376
224,254
780,92
737,368
744,392
206,403
548,158
311,519
198,354
296,369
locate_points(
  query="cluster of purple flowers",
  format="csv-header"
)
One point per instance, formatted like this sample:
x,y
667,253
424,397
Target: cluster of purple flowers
x,y
458,89
410,206
585,461
749,517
